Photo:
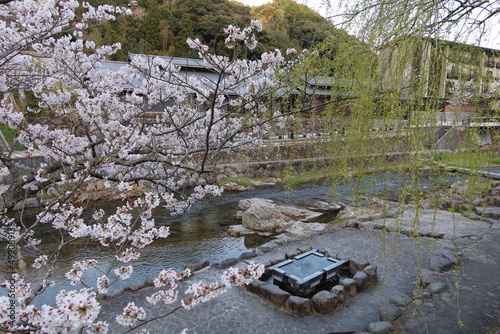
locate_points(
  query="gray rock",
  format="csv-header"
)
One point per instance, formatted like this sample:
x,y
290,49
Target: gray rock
x,y
238,230
440,264
400,300
301,307
220,178
491,211
245,204
325,302
324,206
276,174
292,254
278,259
195,266
381,327
478,202
113,294
368,217
450,255
426,205
471,215
389,312
356,265
341,292
31,202
273,294
246,255
389,214
353,223
362,282
255,286
149,281
184,185
437,287
201,182
257,252
304,249
226,263
323,251
464,241
211,180
428,277
422,294
241,169
350,286
371,272
136,286
263,215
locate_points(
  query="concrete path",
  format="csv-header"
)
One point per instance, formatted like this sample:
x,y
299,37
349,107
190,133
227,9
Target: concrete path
x,y
470,304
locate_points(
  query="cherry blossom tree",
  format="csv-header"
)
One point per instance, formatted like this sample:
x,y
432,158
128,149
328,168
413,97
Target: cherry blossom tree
x,y
43,51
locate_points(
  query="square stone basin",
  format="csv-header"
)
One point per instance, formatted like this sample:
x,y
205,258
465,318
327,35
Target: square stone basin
x,y
305,271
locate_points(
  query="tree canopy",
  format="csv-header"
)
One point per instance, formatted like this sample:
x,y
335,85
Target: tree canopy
x,y
161,27
470,21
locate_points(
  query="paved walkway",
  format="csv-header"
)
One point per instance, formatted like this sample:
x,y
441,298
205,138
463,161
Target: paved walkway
x,y
474,308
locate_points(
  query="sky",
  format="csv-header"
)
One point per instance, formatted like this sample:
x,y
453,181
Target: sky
x,y
492,41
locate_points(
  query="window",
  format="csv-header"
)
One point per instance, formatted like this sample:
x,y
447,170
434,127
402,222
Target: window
x,y
490,62
453,73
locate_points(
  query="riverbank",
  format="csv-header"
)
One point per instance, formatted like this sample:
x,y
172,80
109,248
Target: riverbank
x,y
444,282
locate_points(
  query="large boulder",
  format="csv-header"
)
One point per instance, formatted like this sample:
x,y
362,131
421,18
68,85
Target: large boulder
x,y
263,215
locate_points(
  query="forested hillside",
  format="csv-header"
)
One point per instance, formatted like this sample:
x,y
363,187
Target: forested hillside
x,y
162,26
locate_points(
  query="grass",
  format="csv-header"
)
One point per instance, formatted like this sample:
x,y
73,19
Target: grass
x,y
8,133
291,178
10,136
470,159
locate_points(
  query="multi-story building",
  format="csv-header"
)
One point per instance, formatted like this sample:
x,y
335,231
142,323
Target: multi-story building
x,y
442,75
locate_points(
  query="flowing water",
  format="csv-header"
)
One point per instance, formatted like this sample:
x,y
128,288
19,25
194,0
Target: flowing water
x,y
201,234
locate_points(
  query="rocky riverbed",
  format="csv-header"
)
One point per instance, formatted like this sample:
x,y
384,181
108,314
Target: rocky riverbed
x,y
437,263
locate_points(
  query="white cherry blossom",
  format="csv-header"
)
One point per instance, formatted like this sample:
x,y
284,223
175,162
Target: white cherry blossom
x,y
43,51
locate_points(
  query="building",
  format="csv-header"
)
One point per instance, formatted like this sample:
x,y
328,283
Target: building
x,y
311,93
443,76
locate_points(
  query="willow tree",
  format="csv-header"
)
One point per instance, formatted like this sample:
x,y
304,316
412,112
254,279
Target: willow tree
x,y
413,61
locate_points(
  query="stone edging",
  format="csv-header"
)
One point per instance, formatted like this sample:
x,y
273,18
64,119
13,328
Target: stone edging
x,y
323,302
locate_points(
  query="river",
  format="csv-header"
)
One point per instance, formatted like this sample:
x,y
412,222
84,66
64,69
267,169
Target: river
x,y
201,233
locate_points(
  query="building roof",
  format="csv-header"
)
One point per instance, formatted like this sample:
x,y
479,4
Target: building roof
x,y
209,77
